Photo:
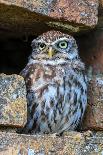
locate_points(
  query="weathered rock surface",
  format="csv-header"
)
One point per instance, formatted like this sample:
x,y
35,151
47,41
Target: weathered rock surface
x,y
94,114
13,106
72,15
18,22
73,144
81,11
100,15
101,2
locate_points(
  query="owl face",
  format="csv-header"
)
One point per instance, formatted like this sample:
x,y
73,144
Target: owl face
x,y
54,46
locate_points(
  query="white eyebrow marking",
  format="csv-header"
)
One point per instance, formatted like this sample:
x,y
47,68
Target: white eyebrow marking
x,y
60,39
49,43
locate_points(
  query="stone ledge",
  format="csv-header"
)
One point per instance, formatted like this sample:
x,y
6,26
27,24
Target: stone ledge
x,y
18,22
81,11
100,16
93,118
13,105
34,17
74,144
101,2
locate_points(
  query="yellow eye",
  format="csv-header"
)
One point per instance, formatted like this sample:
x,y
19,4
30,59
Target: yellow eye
x,y
42,46
63,44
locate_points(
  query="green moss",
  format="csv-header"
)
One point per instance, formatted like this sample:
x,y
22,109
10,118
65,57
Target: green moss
x,y
67,27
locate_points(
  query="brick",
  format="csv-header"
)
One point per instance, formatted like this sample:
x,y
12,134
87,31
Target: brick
x,y
72,16
73,144
13,105
93,118
101,2
81,11
100,15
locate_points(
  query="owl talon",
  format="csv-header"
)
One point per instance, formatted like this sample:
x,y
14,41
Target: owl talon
x,y
54,135
66,133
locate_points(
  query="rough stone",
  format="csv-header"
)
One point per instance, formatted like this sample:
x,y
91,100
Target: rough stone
x,y
74,144
81,11
101,2
93,118
100,15
13,106
72,15
17,22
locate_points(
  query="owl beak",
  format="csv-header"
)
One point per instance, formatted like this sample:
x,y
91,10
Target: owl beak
x,y
50,52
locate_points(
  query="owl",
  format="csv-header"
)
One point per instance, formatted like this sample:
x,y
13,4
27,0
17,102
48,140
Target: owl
x,y
56,84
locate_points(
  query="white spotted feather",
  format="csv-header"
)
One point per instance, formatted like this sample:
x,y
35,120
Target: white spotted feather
x,y
56,87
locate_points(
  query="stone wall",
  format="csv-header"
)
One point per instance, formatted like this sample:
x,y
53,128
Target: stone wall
x,y
34,17
27,19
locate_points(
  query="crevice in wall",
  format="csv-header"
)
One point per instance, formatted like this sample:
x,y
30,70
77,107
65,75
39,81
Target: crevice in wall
x,y
90,46
14,51
14,54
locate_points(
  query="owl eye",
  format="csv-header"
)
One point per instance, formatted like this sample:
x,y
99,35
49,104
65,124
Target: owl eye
x,y
63,44
42,46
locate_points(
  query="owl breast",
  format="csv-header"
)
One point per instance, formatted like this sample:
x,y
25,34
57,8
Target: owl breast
x,y
57,97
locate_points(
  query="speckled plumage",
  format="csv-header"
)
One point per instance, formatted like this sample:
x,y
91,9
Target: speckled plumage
x,y
56,86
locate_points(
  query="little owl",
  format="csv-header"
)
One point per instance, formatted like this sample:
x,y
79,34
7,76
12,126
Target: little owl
x,y
56,84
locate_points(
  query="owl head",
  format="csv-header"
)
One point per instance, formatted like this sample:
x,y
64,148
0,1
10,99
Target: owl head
x,y
54,46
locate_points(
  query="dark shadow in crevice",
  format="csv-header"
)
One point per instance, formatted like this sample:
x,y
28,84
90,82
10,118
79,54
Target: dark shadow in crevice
x,y
14,54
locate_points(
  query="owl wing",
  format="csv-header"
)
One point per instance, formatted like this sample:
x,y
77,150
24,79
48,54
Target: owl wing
x,y
24,72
